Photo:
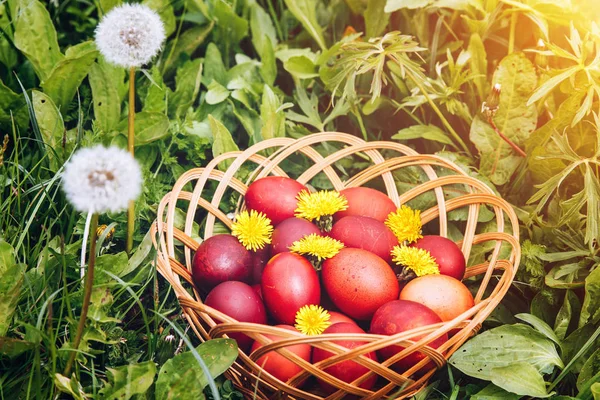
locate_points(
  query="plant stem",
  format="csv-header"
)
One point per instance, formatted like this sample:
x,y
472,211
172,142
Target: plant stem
x,y
506,139
130,146
87,294
440,115
511,37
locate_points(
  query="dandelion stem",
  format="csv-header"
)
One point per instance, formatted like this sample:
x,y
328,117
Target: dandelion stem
x,y
512,144
87,294
130,148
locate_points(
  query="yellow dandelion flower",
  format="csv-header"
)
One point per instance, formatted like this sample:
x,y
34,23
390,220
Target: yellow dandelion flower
x,y
406,224
100,230
314,206
312,320
319,247
253,229
417,260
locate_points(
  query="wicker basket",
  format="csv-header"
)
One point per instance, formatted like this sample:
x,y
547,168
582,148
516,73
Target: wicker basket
x,y
451,188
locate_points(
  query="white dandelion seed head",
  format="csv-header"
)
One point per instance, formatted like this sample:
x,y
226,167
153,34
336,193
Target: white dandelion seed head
x,y
130,35
100,179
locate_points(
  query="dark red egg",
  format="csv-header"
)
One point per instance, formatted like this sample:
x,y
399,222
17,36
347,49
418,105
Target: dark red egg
x,y
259,260
365,233
276,364
359,282
447,254
289,231
401,316
366,202
289,282
239,301
221,258
275,196
348,370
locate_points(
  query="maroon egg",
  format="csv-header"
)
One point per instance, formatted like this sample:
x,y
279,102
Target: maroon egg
x,y
289,282
400,316
365,233
275,196
259,260
221,258
289,231
238,300
348,370
447,255
366,202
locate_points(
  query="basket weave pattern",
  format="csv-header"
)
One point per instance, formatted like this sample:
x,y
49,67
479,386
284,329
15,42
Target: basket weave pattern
x,y
175,249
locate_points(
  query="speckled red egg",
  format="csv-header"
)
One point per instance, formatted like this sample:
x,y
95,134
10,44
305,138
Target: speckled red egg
x,y
365,233
359,282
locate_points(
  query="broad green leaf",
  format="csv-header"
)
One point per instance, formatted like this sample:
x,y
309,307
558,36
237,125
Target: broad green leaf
x,y
590,309
187,43
514,119
589,374
570,308
7,256
11,281
113,263
273,120
214,69
158,94
268,64
223,142
149,127
478,64
12,105
376,20
503,346
51,126
217,93
188,79
35,36
301,67
493,392
11,347
263,30
63,81
231,28
70,386
305,11
427,132
128,380
520,378
592,225
105,81
100,303
182,378
540,326
395,5
167,15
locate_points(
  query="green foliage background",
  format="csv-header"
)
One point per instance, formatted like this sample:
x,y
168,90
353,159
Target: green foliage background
x,y
235,72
